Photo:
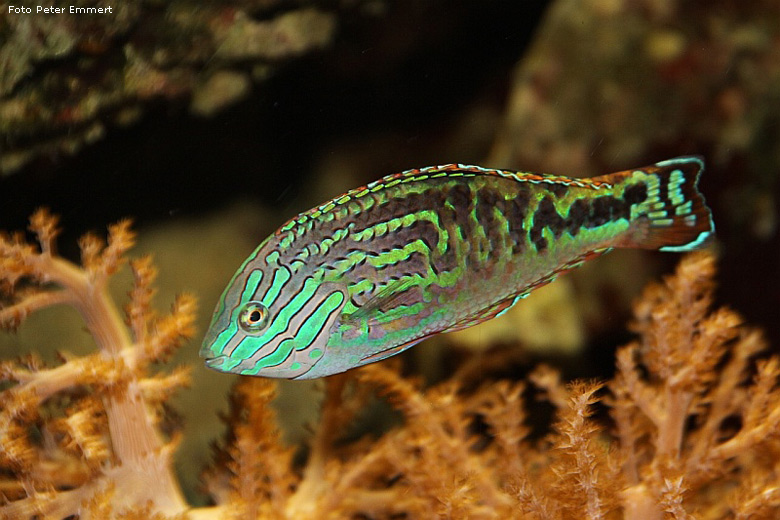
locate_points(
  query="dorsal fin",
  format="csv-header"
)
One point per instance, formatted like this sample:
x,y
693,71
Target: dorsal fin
x,y
436,172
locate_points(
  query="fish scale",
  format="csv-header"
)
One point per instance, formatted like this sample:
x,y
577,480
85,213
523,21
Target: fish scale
x,y
372,272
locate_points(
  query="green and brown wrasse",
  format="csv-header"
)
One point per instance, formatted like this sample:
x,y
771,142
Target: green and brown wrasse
x,y
372,272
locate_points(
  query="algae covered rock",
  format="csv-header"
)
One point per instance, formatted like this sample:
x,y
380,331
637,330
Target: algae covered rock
x,y
65,78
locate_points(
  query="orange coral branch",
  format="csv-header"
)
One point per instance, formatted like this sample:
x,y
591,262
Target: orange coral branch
x,y
762,418
12,316
446,440
137,450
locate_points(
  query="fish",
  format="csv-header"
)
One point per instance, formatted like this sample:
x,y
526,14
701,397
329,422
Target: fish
x,y
370,273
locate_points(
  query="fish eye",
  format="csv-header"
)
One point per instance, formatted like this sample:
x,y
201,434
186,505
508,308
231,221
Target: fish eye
x,y
253,317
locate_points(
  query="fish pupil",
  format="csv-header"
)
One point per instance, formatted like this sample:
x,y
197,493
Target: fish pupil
x,y
255,316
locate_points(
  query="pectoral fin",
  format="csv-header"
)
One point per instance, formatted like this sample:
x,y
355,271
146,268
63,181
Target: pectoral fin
x,y
380,307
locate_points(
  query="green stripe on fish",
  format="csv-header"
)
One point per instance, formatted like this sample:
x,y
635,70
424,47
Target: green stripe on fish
x,y
374,271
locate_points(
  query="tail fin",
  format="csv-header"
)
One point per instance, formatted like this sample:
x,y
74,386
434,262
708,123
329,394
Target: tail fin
x,y
673,216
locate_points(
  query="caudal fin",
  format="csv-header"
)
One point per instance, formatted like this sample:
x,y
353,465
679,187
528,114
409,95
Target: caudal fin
x,y
673,216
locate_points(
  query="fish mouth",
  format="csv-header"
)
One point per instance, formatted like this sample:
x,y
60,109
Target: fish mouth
x,y
215,362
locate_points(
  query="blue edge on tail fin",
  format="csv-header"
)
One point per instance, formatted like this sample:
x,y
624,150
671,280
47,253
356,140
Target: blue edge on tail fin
x,y
677,218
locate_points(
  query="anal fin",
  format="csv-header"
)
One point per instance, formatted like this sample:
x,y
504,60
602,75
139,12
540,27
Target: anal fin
x,y
392,351
495,310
